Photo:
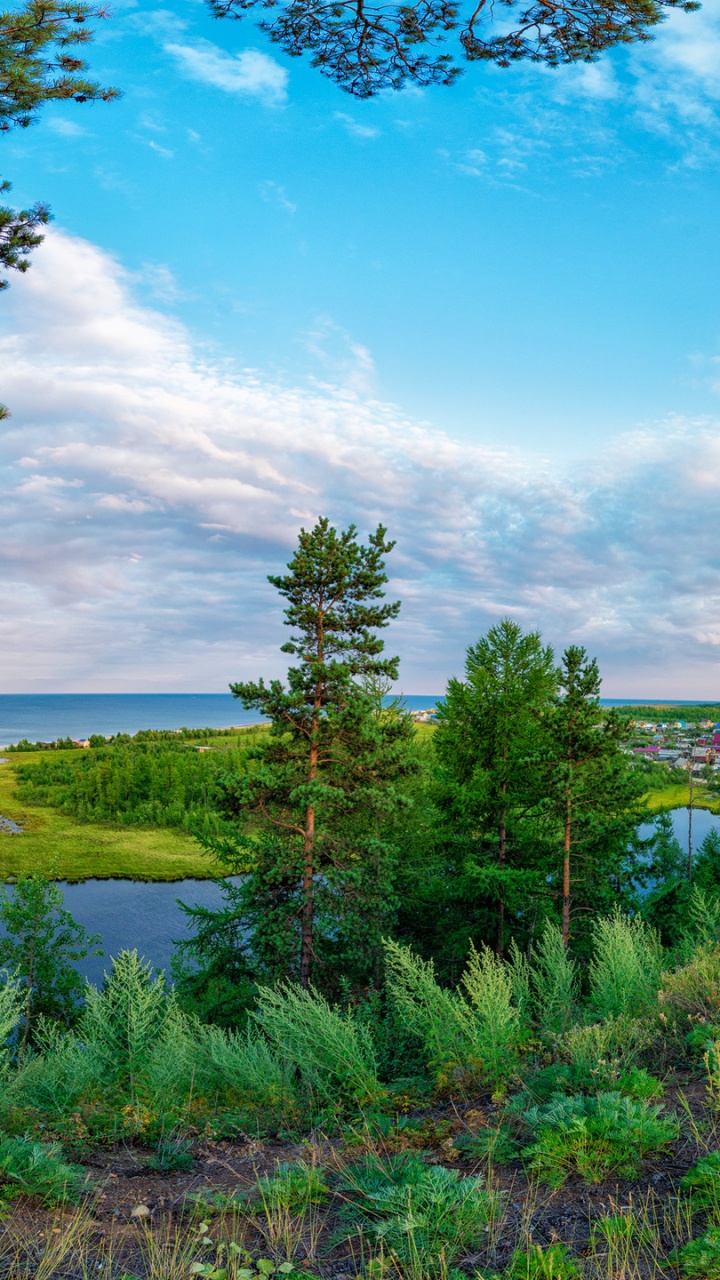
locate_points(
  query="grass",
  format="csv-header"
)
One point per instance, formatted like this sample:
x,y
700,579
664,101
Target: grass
x,y
677,796
85,850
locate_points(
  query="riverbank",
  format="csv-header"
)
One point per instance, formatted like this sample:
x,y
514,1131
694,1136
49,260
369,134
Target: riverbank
x,y
84,850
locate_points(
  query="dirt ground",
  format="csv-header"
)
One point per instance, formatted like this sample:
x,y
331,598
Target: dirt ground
x,y
126,1199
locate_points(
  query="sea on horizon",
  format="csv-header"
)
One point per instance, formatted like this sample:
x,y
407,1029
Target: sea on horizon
x,y
44,717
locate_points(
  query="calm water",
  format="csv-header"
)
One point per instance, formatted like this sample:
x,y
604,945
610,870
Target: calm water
x,y
43,717
703,821
129,913
135,914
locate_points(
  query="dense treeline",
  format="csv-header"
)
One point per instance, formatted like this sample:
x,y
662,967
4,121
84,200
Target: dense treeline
x,y
689,712
117,739
141,783
520,810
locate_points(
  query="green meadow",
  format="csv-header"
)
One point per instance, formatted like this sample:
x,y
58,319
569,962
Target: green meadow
x,y
82,849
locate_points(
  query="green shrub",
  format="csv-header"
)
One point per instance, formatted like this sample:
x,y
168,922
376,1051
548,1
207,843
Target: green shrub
x,y
424,1215
37,1169
497,1144
440,1019
332,1054
595,1137
11,1010
552,1263
497,1028
638,1083
598,1054
521,981
243,1065
554,983
293,1187
700,1259
691,993
543,1084
702,1184
123,1024
173,1155
54,1078
625,968
702,1038
467,1040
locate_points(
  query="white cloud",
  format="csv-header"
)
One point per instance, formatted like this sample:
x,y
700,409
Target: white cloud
x,y
66,128
148,493
354,128
249,74
274,193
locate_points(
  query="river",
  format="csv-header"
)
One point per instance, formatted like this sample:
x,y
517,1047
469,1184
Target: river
x,y
137,914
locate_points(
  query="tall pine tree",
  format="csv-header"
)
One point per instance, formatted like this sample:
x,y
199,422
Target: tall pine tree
x,y
306,823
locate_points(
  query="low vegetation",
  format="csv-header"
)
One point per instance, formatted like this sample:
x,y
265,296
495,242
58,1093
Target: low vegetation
x,y
349,1170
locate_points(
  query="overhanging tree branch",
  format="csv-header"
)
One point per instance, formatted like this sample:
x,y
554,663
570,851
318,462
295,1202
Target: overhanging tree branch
x,y
366,48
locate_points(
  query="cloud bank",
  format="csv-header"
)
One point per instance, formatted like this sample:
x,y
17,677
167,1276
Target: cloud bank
x,y
149,489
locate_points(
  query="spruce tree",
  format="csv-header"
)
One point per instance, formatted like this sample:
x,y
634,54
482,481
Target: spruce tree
x,y
591,788
306,822
488,737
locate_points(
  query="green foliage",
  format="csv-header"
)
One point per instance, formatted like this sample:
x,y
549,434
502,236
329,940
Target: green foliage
x,y
311,822
416,1212
294,1187
592,794
173,1155
625,968
124,1024
599,1053
40,945
700,1258
19,235
690,994
465,1039
702,1184
497,1144
51,1081
595,1137
551,1263
554,980
37,1169
487,741
638,1083
332,1054
497,1027
12,1002
244,1066
558,1077
141,783
439,1018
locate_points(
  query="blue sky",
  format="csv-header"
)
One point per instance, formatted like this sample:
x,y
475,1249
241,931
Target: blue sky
x,y
488,315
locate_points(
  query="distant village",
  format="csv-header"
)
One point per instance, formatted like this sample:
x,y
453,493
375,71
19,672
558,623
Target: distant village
x,y
679,744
